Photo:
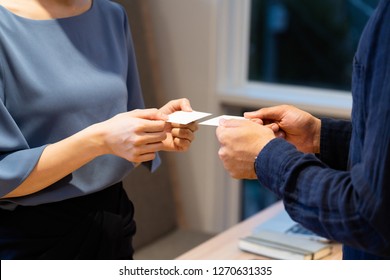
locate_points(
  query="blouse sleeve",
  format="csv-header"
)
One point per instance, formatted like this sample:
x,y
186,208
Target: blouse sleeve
x,y
17,158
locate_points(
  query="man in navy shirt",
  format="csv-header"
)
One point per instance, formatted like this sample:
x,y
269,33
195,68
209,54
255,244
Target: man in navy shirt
x,y
333,176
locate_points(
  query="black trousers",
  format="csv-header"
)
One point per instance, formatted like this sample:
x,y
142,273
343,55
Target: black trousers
x,y
96,226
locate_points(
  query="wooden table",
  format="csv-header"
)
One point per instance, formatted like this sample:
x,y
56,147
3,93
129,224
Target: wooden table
x,y
225,245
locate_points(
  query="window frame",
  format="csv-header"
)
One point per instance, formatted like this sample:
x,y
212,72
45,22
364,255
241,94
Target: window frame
x,y
233,86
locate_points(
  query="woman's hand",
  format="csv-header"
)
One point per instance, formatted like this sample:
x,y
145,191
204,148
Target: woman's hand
x,y
178,136
136,135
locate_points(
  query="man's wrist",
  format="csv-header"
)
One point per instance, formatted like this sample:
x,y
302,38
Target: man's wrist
x,y
317,137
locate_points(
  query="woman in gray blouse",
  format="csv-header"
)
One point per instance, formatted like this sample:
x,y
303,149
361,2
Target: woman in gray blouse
x,y
72,125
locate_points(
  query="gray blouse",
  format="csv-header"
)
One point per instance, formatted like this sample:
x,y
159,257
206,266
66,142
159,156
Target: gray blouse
x,y
58,77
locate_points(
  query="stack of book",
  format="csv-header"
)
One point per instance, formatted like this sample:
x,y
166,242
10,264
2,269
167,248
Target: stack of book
x,y
283,246
282,238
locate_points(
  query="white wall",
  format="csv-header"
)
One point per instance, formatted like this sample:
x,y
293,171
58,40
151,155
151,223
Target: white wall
x,y
191,36
185,40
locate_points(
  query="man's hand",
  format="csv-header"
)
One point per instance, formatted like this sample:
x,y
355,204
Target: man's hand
x,y
241,141
296,126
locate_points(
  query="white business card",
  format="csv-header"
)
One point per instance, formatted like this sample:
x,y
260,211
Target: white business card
x,y
215,121
182,117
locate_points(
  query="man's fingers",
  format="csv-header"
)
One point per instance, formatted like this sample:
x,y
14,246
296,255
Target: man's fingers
x,y
232,122
271,113
275,128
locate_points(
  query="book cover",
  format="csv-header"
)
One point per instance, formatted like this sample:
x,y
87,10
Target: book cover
x,y
283,223
283,246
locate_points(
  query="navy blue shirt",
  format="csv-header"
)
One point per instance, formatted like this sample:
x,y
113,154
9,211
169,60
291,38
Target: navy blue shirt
x,y
58,77
344,194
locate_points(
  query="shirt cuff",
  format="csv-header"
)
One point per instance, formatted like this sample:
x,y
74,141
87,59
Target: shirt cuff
x,y
271,162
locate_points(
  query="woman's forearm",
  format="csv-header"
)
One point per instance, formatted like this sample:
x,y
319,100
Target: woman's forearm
x,y
59,160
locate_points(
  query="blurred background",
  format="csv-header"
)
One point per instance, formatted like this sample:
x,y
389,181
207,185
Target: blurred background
x,y
319,36
227,57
